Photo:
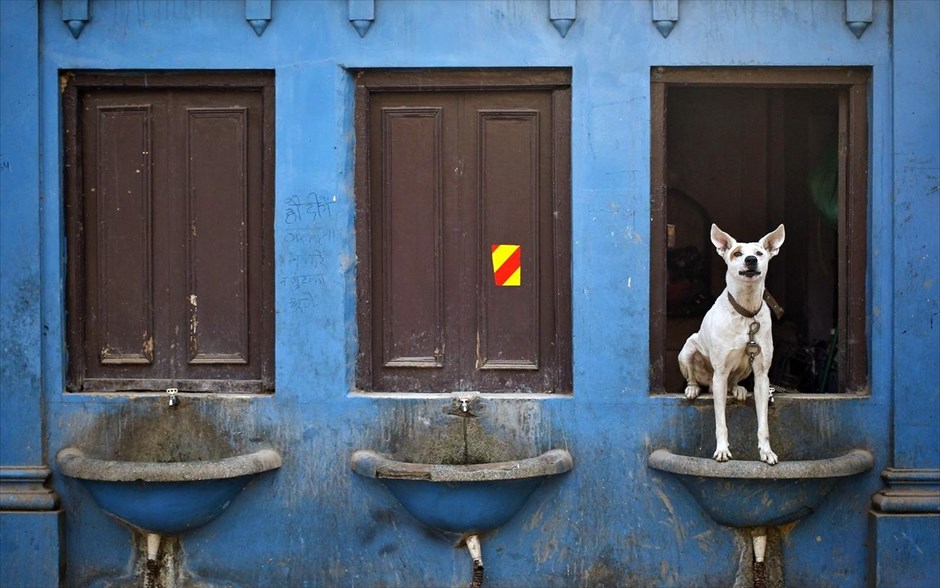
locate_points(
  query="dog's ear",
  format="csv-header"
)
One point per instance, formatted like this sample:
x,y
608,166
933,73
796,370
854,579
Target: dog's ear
x,y
722,241
773,241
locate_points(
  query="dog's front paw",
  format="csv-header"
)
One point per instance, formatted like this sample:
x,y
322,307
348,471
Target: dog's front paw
x,y
768,456
740,393
691,391
722,454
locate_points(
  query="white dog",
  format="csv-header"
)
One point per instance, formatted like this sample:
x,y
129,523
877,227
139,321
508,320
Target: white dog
x,y
735,338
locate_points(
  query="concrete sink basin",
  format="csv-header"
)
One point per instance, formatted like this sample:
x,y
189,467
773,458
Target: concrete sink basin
x,y
166,498
753,494
465,499
163,471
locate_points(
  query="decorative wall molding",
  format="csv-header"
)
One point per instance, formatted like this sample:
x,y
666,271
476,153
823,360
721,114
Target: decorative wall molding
x,y
665,15
858,15
361,15
23,488
258,15
75,15
909,492
562,14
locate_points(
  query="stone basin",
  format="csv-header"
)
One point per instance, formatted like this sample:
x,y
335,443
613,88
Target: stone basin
x,y
463,499
165,498
740,493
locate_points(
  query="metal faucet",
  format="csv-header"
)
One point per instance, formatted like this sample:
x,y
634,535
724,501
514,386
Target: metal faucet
x,y
174,398
463,404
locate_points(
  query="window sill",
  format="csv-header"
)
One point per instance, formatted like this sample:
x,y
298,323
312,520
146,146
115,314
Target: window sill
x,y
444,395
785,396
159,386
122,396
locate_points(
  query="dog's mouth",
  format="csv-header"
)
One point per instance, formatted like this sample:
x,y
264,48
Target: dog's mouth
x,y
749,272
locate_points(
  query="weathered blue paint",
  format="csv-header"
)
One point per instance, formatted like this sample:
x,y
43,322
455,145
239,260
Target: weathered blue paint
x,y
906,525
20,368
31,548
611,520
917,263
898,540
29,529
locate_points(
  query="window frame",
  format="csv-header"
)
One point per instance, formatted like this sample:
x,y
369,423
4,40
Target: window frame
x,y
372,81
853,84
71,84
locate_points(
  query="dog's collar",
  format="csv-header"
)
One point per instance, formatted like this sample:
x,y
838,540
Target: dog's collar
x,y
771,301
741,310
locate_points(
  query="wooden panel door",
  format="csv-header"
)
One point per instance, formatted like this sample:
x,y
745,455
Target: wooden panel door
x,y
170,239
451,175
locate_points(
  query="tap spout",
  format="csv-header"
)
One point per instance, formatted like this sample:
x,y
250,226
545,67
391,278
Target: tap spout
x,y
476,554
153,546
464,404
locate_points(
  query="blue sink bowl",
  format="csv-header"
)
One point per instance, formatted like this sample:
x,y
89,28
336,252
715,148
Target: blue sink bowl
x,y
754,494
165,498
462,498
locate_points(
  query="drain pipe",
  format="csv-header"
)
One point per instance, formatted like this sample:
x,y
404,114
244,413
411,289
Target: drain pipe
x,y
759,538
476,552
153,566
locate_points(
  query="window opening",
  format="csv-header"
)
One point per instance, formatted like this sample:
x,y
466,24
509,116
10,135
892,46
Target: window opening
x,y
748,149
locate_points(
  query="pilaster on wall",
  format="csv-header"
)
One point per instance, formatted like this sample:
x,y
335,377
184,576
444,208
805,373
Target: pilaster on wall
x,y
903,550
31,529
916,162
20,282
30,524
905,516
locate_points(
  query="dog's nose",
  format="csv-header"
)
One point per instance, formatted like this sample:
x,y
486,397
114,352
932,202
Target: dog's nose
x,y
750,260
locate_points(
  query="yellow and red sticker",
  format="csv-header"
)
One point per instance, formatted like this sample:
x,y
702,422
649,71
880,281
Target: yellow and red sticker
x,y
507,265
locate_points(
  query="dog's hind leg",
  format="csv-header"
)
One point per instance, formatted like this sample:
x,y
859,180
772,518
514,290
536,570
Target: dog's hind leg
x,y
693,366
692,390
734,382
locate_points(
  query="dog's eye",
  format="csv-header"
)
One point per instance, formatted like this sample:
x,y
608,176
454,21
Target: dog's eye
x,y
737,254
760,254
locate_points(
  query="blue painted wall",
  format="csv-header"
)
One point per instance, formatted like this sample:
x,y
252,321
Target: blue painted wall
x,y
611,520
20,285
916,221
